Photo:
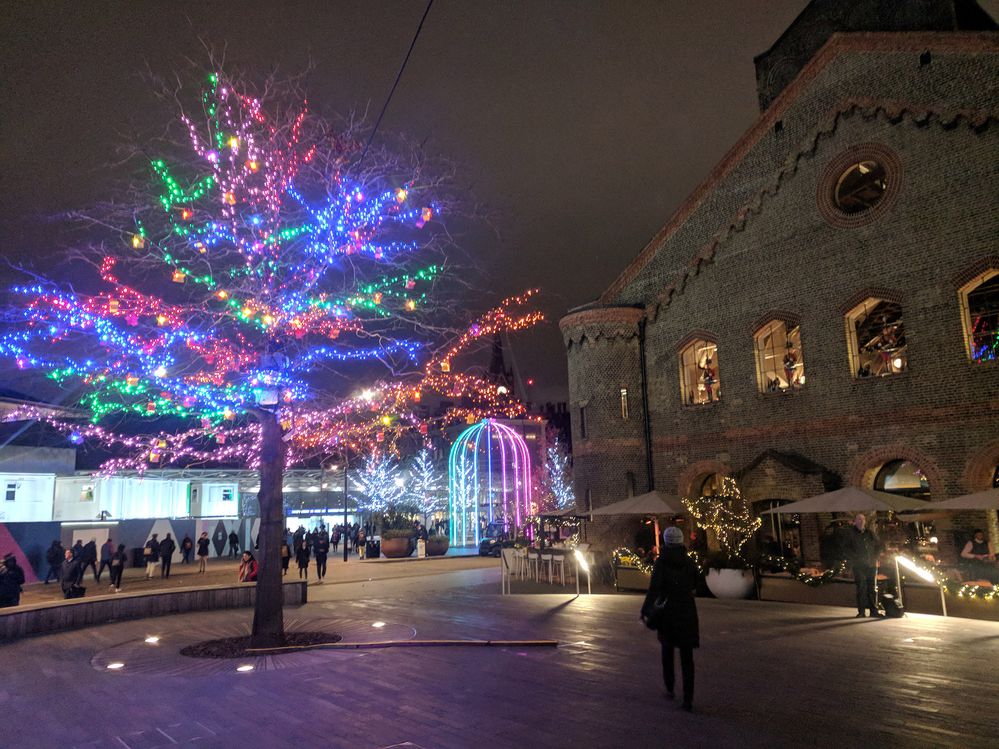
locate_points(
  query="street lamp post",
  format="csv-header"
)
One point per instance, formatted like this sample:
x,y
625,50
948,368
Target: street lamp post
x,y
346,465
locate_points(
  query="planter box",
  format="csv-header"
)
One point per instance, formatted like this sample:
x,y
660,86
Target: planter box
x,y
437,546
397,548
730,583
631,578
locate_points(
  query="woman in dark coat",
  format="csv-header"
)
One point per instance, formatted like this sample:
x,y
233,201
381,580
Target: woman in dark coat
x,y
302,557
674,580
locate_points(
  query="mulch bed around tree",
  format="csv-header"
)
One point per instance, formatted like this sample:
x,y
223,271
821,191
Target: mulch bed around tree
x,y
237,647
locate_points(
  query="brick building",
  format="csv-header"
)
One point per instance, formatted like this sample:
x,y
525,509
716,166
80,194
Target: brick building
x,y
823,310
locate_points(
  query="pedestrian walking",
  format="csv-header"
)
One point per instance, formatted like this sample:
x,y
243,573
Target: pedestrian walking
x,y
335,539
233,544
203,543
321,548
107,549
69,576
151,553
864,549
11,580
302,558
247,568
670,609
77,549
118,561
167,547
88,558
285,556
186,548
54,557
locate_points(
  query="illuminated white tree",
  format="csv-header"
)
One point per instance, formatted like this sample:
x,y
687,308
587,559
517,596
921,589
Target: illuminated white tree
x,y
556,482
379,483
428,485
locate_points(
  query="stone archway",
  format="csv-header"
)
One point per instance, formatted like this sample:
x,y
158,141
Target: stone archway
x,y
980,468
864,467
690,479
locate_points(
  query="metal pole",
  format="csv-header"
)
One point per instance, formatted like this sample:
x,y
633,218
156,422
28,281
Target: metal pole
x,y
898,577
346,465
943,600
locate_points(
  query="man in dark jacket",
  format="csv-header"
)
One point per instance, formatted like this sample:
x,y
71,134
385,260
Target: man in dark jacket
x,y
77,549
186,547
88,558
107,549
69,574
864,549
54,557
321,548
167,547
151,553
11,580
233,544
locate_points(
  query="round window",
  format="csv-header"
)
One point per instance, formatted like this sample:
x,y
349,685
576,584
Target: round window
x,y
860,187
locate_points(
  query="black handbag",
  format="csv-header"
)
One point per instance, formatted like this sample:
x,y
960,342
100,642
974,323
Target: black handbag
x,y
654,615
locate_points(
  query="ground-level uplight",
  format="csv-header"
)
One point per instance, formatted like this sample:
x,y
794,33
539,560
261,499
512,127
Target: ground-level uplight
x,y
378,625
115,666
922,572
153,639
244,668
582,564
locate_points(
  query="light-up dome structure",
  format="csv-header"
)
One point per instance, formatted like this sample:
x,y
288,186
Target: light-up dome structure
x,y
489,479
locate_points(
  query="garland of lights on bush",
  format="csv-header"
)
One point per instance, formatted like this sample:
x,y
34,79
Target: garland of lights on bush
x,y
728,516
261,255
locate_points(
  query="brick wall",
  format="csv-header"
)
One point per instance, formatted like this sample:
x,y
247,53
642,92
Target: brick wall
x,y
942,413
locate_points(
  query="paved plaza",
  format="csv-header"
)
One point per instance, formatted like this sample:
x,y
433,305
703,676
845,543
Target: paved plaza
x,y
769,675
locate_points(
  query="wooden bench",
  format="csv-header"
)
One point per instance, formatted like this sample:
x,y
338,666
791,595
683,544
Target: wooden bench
x,y
37,618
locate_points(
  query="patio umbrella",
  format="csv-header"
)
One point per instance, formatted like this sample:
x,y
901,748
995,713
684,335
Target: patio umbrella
x,y
986,500
650,503
855,499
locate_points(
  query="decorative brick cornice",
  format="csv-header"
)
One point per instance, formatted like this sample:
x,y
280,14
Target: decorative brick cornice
x,y
982,266
870,292
838,44
601,323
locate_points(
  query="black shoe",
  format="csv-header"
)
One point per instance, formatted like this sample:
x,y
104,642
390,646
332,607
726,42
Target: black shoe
x,y
860,615
876,615
687,706
670,695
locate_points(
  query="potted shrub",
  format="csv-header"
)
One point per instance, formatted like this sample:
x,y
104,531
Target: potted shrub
x,y
398,543
437,546
729,574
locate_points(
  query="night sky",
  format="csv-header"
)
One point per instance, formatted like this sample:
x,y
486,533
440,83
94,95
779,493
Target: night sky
x,y
582,125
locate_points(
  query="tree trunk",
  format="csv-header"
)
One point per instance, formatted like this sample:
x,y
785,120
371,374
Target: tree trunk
x,y
268,614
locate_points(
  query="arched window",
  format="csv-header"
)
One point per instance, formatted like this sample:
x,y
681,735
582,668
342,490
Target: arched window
x,y
902,477
980,314
711,485
780,364
699,372
875,332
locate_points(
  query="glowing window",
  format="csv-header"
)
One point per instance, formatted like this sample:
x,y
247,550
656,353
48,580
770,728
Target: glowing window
x,y
779,362
902,477
980,314
875,332
699,382
860,187
712,485
624,403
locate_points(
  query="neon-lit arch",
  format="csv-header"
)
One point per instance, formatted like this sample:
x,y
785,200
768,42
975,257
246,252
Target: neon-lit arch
x,y
489,477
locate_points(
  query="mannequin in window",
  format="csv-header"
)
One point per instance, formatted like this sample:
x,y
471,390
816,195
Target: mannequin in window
x,y
887,344
864,371
709,377
790,363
